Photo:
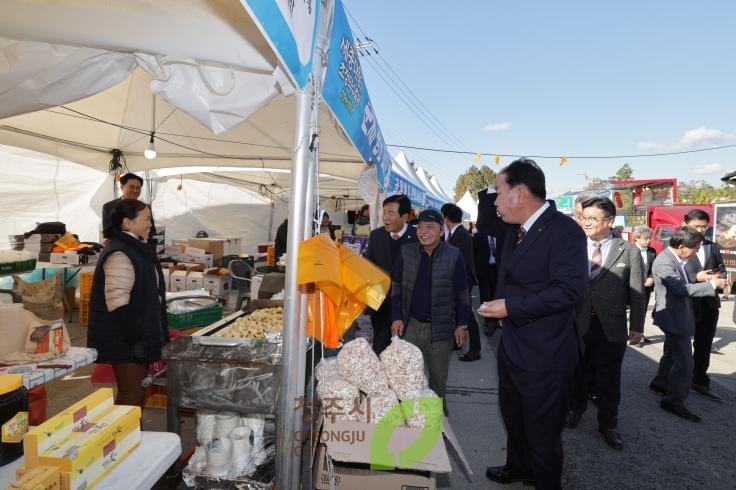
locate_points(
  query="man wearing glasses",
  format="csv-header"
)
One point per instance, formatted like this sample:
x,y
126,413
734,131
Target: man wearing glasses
x,y
616,282
707,259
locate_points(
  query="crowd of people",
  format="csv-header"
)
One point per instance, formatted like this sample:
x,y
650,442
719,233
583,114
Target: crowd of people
x,y
568,296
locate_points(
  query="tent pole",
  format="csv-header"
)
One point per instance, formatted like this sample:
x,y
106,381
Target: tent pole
x,y
294,348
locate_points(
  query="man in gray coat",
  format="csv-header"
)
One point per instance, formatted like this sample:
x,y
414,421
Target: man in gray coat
x,y
616,282
673,313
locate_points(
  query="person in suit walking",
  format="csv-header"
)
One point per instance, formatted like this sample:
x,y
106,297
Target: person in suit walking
x,y
459,237
642,239
616,282
384,245
673,313
541,279
706,309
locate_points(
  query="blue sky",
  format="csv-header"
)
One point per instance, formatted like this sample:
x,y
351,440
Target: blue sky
x,y
573,78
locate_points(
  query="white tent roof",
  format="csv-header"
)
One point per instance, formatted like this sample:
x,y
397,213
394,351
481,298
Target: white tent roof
x,y
468,205
56,53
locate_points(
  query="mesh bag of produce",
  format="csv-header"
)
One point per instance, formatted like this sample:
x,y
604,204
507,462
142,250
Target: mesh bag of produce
x,y
358,364
403,364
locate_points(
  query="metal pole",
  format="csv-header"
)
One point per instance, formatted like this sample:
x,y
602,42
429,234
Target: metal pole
x,y
292,385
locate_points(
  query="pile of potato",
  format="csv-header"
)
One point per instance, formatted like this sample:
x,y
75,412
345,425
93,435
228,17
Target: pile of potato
x,y
254,325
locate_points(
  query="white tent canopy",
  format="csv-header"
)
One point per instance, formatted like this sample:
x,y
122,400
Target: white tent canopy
x,y
468,204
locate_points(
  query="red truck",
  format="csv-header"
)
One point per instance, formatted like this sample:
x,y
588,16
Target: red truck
x,y
663,219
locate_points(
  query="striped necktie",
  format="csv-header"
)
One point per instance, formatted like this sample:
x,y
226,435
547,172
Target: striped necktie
x,y
520,235
596,261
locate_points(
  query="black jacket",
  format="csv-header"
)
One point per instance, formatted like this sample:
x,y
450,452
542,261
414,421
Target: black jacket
x,y
138,330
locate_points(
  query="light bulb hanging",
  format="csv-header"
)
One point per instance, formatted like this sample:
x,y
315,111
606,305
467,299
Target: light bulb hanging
x,y
150,151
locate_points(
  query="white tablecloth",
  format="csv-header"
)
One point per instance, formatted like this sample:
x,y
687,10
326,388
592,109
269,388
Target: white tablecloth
x,y
139,471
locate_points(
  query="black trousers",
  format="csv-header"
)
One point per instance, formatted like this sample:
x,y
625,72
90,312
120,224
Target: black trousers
x,y
487,279
705,330
602,361
533,406
381,322
473,330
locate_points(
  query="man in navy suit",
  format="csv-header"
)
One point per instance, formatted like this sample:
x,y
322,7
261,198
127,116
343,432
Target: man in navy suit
x,y
459,237
542,276
642,239
384,245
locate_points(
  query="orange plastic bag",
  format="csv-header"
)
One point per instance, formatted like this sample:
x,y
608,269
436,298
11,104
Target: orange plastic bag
x,y
322,319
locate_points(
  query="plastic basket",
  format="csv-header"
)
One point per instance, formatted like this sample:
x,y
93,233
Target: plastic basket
x,y
189,319
83,312
85,284
20,266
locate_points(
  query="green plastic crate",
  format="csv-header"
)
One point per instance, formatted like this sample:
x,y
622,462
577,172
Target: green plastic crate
x,y
20,266
206,316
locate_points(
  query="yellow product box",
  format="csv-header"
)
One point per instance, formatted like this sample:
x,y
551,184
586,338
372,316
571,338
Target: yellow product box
x,y
41,438
93,441
39,478
93,475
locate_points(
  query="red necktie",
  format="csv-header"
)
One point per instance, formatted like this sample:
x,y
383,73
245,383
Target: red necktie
x,y
395,236
449,237
520,235
596,261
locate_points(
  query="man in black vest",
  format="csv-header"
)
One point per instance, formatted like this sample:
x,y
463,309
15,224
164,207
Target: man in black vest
x,y
383,247
429,298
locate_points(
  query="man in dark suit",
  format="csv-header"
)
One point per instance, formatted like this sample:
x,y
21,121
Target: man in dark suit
x,y
706,309
642,239
542,277
616,282
384,246
130,188
673,313
459,237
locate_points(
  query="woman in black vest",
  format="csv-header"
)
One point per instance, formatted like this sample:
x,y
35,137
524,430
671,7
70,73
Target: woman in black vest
x,y
127,321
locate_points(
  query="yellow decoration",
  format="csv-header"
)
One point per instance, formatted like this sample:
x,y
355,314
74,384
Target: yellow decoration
x,y
498,159
477,157
563,160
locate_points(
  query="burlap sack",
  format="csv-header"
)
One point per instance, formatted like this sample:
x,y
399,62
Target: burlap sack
x,y
42,298
30,323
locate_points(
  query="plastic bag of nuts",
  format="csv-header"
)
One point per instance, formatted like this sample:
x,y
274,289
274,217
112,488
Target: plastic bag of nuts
x,y
340,399
325,368
417,420
403,364
375,407
358,364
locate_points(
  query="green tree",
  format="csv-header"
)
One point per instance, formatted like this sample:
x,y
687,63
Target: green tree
x,y
596,183
473,180
701,192
623,173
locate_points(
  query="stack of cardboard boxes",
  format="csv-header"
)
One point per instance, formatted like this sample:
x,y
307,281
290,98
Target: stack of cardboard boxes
x,y
76,449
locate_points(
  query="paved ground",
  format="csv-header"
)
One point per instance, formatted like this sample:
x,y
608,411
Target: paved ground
x,y
661,450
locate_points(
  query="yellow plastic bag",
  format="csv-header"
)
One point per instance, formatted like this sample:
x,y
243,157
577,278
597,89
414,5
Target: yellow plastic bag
x,y
319,263
363,279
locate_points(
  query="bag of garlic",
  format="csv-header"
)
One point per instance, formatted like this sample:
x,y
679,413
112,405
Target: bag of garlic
x,y
375,407
325,368
403,364
358,364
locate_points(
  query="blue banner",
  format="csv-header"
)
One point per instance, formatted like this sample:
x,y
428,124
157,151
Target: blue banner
x,y
399,185
346,95
291,27
431,202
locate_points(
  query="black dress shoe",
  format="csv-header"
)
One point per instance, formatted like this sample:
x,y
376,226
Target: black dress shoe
x,y
573,418
679,410
706,392
502,474
612,437
657,389
470,356
646,339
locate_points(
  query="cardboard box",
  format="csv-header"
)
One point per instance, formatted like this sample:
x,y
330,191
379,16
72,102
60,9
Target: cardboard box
x,y
195,280
232,245
215,246
72,258
39,478
167,273
356,476
41,438
172,250
217,282
178,280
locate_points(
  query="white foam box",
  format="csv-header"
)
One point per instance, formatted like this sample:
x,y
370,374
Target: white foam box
x,y
178,280
195,280
167,274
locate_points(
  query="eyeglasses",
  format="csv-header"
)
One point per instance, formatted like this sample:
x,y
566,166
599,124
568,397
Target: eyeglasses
x,y
592,220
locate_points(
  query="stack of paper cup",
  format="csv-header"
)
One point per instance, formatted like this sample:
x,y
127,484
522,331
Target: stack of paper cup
x,y
205,426
225,422
240,439
219,456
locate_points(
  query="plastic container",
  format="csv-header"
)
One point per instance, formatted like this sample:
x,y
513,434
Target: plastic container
x,y
13,416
